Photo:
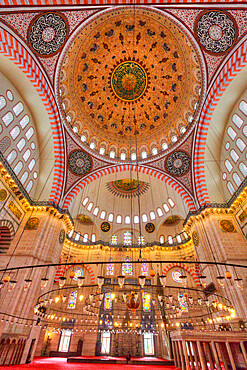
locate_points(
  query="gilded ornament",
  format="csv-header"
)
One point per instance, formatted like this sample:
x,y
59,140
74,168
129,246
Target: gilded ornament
x,y
32,223
62,236
127,188
3,195
227,226
15,210
195,238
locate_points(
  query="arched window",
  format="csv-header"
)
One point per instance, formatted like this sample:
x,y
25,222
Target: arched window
x,y
127,220
234,155
77,236
179,239
11,157
85,238
146,302
31,164
21,144
102,215
133,156
230,187
154,151
162,239
232,133
228,165
236,179
240,144
243,107
24,177
119,219
170,201
144,154
24,121
96,211
2,102
110,267
85,201
90,206
170,239
110,217
136,219
164,146
127,267
243,168
92,145
70,233
93,238
102,151
26,155
78,272
245,130
15,132
29,133
10,95
114,240
127,238
18,108
29,186
159,211
166,208
83,138
182,130
7,118
237,120
72,300
144,218
75,129
18,168
112,154
152,215
174,138
35,175
122,156
144,267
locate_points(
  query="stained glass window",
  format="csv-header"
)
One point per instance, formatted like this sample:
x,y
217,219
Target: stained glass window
x,y
144,268
114,240
110,267
146,302
127,238
108,301
72,300
78,272
176,275
141,240
127,267
182,302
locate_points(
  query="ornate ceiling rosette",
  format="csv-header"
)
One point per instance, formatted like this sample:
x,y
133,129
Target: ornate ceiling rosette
x,y
216,31
47,33
129,73
127,188
178,163
79,162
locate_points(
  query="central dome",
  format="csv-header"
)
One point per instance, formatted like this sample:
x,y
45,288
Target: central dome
x,y
129,75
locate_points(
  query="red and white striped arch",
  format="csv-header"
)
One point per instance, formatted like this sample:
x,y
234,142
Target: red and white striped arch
x,y
230,69
62,270
17,51
185,195
191,271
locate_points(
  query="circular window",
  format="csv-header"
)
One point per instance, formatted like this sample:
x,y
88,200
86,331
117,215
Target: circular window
x,y
223,175
176,275
227,146
10,95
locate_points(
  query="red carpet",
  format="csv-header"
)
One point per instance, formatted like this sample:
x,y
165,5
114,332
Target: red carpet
x,y
55,363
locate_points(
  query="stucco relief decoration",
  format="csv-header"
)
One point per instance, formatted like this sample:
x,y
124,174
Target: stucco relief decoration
x,y
216,31
79,162
47,33
32,223
178,163
127,188
227,226
128,72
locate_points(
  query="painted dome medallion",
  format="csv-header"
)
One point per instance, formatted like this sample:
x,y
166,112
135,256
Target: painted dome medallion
x,y
129,75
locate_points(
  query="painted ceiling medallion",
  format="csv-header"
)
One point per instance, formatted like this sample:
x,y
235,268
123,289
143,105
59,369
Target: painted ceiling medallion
x,y
125,188
149,227
216,31
195,238
227,226
79,162
47,33
129,81
105,226
178,163
129,72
